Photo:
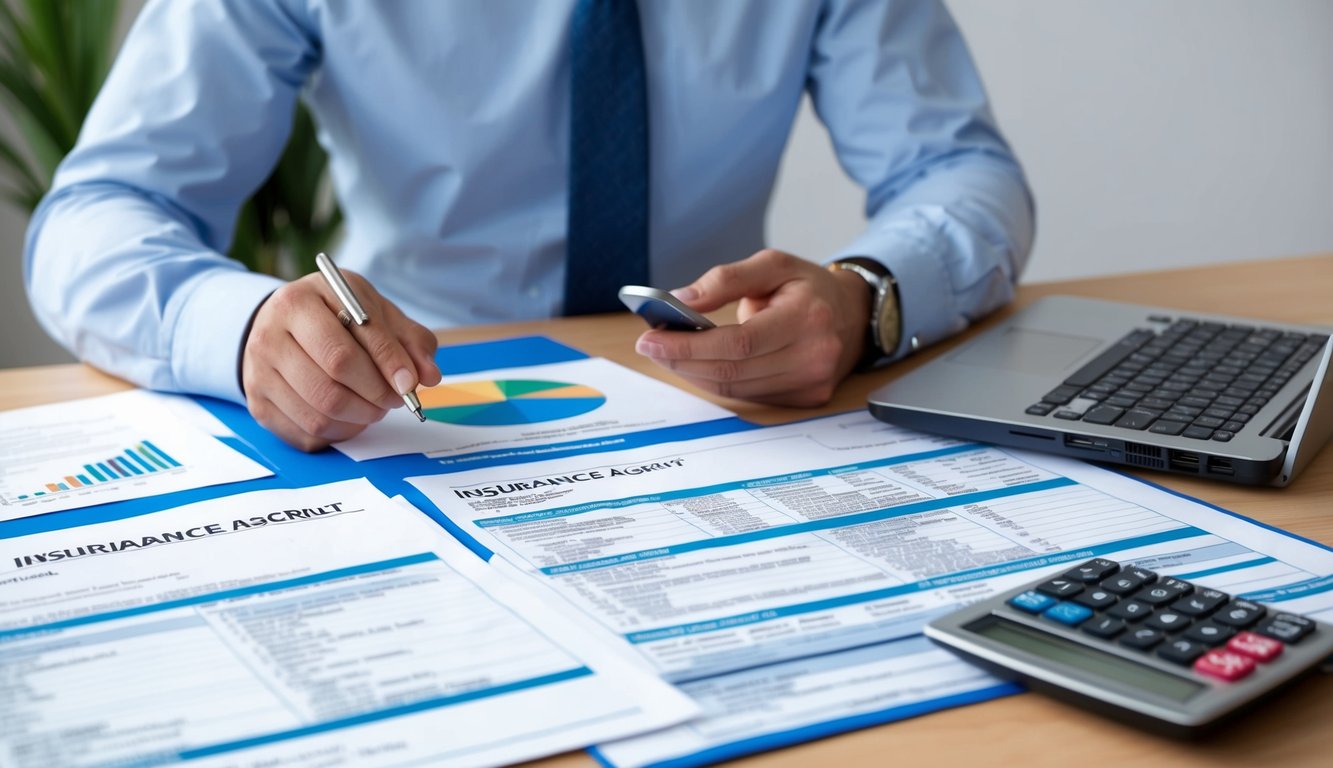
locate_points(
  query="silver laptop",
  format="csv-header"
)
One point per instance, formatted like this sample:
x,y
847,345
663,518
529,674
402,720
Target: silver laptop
x,y
1225,398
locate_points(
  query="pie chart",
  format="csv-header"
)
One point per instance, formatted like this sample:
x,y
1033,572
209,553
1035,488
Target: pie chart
x,y
507,402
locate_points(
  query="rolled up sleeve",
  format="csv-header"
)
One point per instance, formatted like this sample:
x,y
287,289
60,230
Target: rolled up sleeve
x,y
950,213
124,260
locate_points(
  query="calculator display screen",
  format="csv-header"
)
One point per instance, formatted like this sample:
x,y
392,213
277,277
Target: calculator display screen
x,y
1058,649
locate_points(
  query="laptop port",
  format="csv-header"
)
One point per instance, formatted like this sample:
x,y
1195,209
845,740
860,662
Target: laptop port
x,y
1218,466
1086,443
1184,461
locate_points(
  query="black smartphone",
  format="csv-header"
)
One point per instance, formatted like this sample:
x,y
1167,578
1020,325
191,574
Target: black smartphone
x,y
662,310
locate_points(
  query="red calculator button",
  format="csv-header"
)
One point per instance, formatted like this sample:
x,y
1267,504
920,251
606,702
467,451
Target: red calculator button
x,y
1224,665
1257,647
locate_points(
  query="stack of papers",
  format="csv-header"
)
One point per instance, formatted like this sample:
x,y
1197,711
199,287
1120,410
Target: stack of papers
x,y
677,586
782,576
319,626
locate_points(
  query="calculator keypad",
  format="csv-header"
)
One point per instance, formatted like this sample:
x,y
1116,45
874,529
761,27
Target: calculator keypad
x,y
1202,629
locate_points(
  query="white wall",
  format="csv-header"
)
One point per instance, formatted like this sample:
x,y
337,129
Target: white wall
x,y
1154,134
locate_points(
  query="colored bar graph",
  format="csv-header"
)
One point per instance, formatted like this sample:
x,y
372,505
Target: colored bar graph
x,y
144,458
128,462
161,453
152,458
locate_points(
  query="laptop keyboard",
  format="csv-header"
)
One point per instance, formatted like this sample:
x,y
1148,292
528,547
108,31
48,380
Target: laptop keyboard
x,y
1201,380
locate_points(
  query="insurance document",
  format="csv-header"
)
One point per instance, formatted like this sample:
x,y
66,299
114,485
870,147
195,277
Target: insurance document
x,y
129,445
509,409
718,556
318,626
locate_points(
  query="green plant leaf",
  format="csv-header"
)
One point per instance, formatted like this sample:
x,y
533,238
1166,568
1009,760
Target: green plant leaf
x,y
54,56
18,166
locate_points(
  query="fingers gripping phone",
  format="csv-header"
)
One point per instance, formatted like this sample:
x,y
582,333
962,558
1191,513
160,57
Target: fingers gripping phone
x,y
662,310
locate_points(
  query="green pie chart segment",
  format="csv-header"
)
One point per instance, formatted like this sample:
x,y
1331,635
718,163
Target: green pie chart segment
x,y
508,402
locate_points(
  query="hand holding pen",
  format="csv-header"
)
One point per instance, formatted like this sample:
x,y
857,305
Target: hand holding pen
x,y
327,356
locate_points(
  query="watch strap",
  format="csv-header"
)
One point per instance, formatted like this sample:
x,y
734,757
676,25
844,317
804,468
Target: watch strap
x,y
884,329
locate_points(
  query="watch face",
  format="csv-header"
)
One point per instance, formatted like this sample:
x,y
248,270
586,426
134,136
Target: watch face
x,y
885,317
888,320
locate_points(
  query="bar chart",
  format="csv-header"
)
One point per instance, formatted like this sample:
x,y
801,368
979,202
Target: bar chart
x,y
129,445
137,460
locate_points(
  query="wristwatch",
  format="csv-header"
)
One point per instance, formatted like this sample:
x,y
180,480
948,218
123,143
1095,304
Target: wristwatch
x,y
885,329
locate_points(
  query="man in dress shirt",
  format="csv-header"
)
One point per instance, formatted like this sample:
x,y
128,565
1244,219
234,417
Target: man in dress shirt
x,y
448,127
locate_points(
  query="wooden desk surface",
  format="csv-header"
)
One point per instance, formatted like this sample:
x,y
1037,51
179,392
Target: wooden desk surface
x,y
1026,730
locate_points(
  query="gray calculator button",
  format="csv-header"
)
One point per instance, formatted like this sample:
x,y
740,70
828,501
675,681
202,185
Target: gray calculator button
x,y
1131,610
1094,570
1105,627
1201,602
1209,633
1182,652
1169,621
1122,584
1239,614
1060,587
1143,638
1287,627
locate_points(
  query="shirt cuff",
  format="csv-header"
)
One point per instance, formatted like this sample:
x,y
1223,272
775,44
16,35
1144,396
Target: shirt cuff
x,y
210,329
910,249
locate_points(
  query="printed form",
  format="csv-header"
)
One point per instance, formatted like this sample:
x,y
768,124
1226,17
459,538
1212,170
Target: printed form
x,y
318,626
781,576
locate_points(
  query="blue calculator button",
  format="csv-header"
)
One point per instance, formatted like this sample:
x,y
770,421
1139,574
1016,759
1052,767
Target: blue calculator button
x,y
1071,614
1032,602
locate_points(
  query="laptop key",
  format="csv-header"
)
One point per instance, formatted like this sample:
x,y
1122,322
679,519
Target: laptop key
x,y
1168,427
1165,394
1068,415
1103,414
1198,433
1222,436
1061,395
1103,363
1137,418
1040,409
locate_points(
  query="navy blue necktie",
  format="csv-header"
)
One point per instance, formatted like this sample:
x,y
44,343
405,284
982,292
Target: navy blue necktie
x,y
608,157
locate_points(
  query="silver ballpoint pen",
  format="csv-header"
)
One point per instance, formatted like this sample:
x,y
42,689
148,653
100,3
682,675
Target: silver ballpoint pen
x,y
353,313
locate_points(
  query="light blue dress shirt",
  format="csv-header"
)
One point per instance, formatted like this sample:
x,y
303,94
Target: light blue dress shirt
x,y
447,124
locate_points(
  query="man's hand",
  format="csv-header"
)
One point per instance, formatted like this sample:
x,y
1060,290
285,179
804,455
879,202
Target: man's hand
x,y
802,329
313,382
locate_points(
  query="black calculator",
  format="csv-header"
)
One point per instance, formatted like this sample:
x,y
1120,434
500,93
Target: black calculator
x,y
1157,651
